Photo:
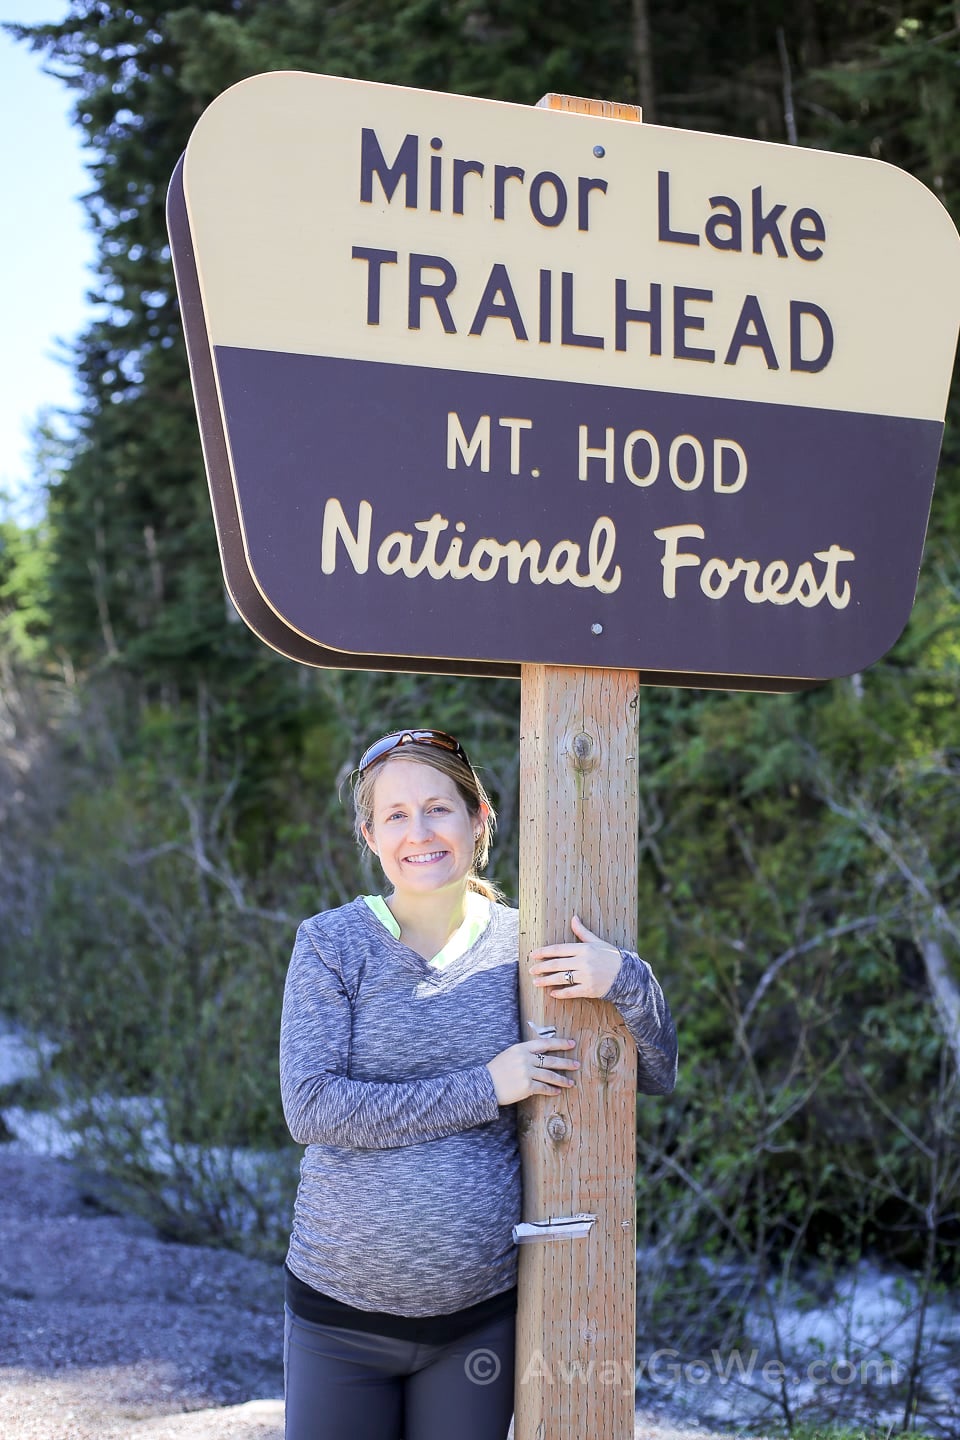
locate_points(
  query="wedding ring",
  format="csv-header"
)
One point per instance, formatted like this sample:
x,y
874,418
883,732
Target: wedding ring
x,y
570,979
540,1062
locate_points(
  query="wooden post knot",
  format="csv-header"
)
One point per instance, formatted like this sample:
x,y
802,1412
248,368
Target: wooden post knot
x,y
585,751
558,1129
608,1052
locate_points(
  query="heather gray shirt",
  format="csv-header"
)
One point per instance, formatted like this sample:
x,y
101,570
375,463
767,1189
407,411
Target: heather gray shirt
x,y
410,1182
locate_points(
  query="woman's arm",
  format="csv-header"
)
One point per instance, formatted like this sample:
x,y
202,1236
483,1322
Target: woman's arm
x,y
603,972
637,995
323,1107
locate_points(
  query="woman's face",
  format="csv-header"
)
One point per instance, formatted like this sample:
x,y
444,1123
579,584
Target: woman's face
x,y
422,830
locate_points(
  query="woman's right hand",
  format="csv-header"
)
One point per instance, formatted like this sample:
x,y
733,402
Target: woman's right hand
x,y
531,1068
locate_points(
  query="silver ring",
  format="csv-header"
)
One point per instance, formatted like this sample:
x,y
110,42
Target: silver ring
x,y
570,979
539,1064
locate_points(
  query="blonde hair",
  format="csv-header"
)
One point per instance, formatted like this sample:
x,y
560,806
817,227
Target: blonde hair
x,y
469,787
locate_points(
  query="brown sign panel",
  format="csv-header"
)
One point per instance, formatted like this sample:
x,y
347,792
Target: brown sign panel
x,y
481,385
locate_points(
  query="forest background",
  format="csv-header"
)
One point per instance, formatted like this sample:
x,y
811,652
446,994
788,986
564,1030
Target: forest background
x,y
169,787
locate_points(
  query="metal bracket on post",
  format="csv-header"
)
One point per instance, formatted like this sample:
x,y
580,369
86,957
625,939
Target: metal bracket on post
x,y
558,1227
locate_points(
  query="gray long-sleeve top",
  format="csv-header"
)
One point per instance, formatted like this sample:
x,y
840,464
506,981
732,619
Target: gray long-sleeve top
x,y
410,1182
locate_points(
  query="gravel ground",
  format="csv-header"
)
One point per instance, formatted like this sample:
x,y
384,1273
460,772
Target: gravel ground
x,y
108,1332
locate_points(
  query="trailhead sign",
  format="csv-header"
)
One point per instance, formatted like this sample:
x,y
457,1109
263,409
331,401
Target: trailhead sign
x,y
483,385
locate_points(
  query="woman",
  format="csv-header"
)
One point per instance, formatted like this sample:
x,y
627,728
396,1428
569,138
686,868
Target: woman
x,y
400,1068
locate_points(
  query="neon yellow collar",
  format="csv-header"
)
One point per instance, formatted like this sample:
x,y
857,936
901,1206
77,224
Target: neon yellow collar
x,y
474,924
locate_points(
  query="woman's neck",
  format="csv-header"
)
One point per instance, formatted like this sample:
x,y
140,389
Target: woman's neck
x,y
428,921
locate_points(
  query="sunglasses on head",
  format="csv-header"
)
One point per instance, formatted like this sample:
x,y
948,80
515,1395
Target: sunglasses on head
x,y
438,738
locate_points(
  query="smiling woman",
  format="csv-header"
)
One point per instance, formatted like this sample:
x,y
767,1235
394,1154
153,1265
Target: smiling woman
x,y
428,819
426,839
400,1066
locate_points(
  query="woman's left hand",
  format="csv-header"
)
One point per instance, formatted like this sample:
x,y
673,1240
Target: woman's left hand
x,y
579,969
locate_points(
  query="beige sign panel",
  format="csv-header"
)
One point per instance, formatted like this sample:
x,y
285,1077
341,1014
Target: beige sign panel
x,y
753,260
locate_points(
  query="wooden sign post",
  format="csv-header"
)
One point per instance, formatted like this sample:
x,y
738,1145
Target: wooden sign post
x,y
576,1332
576,1325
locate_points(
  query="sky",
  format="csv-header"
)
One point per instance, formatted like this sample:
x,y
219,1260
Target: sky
x,y
46,248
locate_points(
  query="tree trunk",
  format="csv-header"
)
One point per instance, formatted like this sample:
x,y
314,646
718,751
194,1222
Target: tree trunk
x,y
643,58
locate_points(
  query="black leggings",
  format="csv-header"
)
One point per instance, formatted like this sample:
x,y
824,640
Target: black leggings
x,y
347,1385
